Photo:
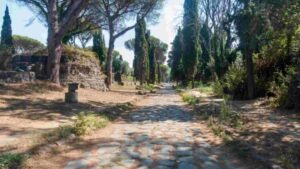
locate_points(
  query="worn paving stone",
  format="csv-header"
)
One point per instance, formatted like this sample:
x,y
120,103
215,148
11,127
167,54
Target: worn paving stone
x,y
160,135
187,166
189,160
184,151
79,164
210,165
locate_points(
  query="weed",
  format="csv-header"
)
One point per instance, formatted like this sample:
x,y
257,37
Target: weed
x,y
11,160
228,116
87,122
191,100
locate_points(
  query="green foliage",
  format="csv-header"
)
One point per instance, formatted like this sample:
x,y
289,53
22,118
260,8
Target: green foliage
x,y
235,80
191,42
280,86
217,88
72,51
218,129
191,100
6,33
87,122
175,57
8,161
26,45
99,46
228,116
204,88
141,61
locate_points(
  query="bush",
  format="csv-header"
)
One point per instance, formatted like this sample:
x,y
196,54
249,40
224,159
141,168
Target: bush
x,y
228,116
217,88
280,86
8,161
87,122
191,100
235,82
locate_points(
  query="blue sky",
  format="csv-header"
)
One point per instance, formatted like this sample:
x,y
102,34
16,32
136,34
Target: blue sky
x,y
165,29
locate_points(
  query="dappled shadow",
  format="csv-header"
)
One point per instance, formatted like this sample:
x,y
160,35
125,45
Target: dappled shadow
x,y
268,136
159,113
42,109
134,150
28,88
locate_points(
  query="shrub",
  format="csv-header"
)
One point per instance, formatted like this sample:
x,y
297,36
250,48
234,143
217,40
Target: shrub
x,y
191,100
87,122
228,116
8,161
235,80
217,88
280,86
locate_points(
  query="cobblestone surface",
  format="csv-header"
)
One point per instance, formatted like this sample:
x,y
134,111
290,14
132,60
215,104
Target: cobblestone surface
x,y
160,135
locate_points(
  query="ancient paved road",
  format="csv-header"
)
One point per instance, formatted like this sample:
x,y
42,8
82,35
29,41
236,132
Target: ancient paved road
x,y
160,135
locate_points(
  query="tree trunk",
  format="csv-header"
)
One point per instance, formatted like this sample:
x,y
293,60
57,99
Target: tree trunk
x,y
250,74
110,61
54,56
54,43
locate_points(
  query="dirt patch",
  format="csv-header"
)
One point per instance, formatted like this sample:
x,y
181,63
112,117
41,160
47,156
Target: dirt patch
x,y
270,137
35,108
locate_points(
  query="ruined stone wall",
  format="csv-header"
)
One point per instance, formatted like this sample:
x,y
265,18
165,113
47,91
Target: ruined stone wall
x,y
84,70
16,77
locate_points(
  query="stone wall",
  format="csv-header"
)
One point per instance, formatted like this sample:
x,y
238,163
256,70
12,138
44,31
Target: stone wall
x,y
16,77
85,71
74,69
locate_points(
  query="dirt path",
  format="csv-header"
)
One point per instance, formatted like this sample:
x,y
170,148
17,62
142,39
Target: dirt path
x,y
160,135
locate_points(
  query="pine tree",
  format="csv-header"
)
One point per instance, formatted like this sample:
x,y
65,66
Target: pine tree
x,y
191,31
141,61
6,33
176,57
99,46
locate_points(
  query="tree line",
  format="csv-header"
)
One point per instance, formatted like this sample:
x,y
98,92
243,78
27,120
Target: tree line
x,y
242,44
68,18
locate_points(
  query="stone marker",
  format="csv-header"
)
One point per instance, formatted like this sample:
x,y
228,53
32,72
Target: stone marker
x,y
72,95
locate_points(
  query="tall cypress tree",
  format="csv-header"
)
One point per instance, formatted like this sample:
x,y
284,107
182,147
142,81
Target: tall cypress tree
x,y
152,63
6,33
99,46
141,52
176,60
191,31
205,57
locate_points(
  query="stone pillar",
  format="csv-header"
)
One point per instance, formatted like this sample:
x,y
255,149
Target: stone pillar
x,y
72,95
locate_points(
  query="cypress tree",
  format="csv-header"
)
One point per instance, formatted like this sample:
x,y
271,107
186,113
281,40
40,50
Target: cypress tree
x,y
152,64
176,53
191,31
141,52
99,46
205,38
6,33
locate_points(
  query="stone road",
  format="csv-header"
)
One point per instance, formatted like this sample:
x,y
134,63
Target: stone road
x,y
160,135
